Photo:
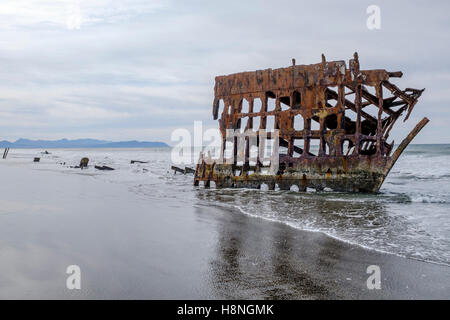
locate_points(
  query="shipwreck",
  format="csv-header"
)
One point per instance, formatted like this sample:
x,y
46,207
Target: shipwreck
x,y
330,124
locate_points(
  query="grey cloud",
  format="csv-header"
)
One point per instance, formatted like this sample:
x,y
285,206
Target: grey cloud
x,y
136,65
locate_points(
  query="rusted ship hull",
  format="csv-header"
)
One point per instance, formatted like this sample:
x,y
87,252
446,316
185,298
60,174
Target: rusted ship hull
x,y
346,175
353,153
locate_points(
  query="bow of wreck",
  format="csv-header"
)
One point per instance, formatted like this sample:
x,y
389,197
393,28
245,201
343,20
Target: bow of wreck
x,y
345,112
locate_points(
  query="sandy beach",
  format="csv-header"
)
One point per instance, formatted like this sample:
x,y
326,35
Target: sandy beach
x,y
130,246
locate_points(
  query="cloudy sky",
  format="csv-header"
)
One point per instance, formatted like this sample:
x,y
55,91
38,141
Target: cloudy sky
x,y
138,69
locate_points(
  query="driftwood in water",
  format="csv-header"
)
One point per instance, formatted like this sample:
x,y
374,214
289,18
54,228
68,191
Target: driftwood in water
x,y
138,161
36,159
183,171
104,168
189,170
176,169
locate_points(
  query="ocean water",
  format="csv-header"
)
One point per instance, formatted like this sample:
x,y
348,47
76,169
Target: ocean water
x,y
410,216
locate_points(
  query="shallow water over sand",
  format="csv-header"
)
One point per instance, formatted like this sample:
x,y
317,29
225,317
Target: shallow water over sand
x,y
409,217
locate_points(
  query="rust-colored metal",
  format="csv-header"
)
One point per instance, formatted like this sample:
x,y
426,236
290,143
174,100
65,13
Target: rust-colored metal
x,y
353,111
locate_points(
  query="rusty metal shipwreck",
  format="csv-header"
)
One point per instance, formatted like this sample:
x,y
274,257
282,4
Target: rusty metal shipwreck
x,y
347,112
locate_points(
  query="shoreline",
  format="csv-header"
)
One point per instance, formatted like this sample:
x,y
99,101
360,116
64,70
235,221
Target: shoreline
x,y
240,211
141,246
329,268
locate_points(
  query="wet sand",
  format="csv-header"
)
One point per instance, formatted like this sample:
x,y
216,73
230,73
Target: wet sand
x,y
130,246
266,260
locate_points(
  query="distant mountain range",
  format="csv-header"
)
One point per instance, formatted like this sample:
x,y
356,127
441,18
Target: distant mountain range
x,y
79,143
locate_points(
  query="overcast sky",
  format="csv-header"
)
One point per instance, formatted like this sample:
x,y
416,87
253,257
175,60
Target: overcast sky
x,y
137,69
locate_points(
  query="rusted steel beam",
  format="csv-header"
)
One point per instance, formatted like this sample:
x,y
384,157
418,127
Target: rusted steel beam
x,y
284,143
395,74
5,153
397,92
415,94
352,107
402,146
410,99
408,140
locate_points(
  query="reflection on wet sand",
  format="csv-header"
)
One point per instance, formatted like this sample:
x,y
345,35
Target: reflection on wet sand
x,y
294,281
262,264
256,259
